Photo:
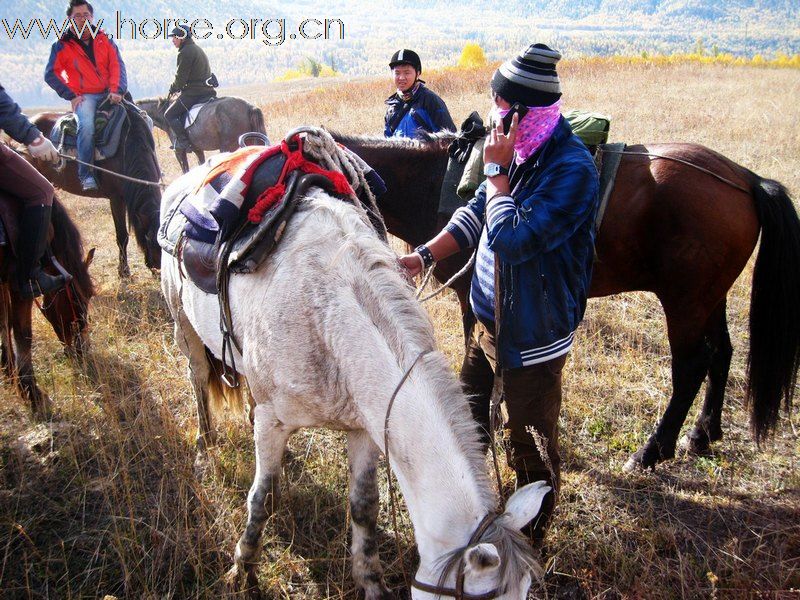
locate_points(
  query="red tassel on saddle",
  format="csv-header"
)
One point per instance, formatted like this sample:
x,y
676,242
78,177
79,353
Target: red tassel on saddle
x,y
294,160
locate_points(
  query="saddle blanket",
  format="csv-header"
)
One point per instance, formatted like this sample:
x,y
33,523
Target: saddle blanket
x,y
109,120
191,116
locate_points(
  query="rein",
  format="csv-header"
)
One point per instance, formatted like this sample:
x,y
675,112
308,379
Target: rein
x,y
683,162
114,173
458,592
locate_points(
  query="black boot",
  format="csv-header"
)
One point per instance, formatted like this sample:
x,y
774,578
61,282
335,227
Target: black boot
x,y
31,279
181,140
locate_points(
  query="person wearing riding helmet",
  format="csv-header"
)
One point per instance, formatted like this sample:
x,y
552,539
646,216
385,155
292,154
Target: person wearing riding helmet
x,y
532,222
413,109
21,182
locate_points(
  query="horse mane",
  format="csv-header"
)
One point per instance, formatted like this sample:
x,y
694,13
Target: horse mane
x,y
405,326
434,144
139,161
67,245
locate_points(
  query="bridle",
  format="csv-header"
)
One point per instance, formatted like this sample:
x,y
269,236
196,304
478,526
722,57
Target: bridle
x,y
71,292
458,591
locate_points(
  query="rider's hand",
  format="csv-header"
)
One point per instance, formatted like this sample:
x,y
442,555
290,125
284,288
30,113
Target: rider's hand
x,y
412,264
41,148
499,147
75,102
115,98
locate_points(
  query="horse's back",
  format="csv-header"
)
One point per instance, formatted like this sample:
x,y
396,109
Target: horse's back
x,y
667,219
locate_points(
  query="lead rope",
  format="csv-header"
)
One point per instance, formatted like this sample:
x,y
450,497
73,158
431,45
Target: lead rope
x,y
392,499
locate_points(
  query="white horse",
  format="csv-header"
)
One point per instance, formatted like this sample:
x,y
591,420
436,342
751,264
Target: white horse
x,y
328,327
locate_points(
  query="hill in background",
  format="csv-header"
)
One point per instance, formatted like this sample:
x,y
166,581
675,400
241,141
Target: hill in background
x,y
363,37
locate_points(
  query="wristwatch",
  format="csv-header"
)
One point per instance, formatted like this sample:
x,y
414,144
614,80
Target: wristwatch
x,y
493,169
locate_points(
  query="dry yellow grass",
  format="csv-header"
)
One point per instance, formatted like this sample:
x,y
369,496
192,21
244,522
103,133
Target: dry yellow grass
x,y
104,501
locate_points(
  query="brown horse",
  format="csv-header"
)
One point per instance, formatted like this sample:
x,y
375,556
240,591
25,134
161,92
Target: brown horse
x,y
135,158
217,127
66,309
673,230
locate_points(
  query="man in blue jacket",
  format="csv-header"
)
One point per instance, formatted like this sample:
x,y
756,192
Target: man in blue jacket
x,y
413,109
532,221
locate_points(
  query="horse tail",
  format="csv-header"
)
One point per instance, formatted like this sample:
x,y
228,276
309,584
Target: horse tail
x,y
256,120
774,356
222,398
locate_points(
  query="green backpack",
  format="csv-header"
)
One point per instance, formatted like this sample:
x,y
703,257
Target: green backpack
x,y
591,127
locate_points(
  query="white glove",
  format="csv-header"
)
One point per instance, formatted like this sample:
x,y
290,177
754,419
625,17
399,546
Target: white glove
x,y
43,149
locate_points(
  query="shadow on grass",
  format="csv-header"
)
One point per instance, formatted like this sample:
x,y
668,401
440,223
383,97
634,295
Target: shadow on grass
x,y
105,501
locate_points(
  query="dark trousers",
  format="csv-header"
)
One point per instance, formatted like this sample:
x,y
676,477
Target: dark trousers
x,y
532,401
176,113
20,179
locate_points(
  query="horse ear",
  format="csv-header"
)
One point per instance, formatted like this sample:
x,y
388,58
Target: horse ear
x,y
524,504
482,559
89,257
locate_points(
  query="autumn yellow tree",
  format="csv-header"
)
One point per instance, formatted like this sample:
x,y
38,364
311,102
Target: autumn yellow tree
x,y
472,56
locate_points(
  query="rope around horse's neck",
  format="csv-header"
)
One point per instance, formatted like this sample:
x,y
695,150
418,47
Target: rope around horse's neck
x,y
321,147
392,498
683,162
464,270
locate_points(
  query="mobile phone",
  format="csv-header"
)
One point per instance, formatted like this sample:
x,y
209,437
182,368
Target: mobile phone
x,y
516,108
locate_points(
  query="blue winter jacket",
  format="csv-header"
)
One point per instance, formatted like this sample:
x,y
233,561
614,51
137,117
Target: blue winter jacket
x,y
424,112
543,236
13,122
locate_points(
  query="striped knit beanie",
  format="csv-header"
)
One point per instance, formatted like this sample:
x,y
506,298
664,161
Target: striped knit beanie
x,y
530,78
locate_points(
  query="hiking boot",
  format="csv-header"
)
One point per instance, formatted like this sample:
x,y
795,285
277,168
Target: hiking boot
x,y
89,184
32,281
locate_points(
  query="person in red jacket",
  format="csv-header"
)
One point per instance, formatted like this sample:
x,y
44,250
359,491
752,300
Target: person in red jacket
x,y
85,66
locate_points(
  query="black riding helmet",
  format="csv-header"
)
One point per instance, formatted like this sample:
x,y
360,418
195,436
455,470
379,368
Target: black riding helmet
x,y
406,57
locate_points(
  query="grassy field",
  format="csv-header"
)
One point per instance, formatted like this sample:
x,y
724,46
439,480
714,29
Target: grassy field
x,y
103,500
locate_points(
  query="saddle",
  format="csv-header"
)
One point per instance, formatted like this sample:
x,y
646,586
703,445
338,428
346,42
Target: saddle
x,y
109,120
247,245
9,221
606,158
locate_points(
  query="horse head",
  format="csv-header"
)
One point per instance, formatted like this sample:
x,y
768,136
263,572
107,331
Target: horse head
x,y
67,309
496,563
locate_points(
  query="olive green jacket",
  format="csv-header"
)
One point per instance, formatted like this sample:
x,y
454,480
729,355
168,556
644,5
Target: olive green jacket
x,y
193,70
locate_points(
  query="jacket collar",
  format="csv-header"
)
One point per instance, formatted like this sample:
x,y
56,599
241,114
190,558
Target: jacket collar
x,y
396,97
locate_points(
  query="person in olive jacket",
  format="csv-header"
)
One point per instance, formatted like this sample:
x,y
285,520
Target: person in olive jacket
x,y
193,80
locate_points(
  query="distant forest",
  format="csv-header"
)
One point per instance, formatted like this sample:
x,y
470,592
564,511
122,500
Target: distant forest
x,y
372,31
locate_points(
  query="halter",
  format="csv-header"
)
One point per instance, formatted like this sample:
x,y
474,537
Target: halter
x,y
69,289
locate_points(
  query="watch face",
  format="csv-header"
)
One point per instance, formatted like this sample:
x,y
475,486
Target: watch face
x,y
491,169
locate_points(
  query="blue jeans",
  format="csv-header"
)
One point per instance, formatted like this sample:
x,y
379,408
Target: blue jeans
x,y
85,115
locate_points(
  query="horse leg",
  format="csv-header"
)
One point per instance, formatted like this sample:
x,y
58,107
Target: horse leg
x,y
708,427
183,160
41,407
362,454
691,359
201,156
121,229
270,439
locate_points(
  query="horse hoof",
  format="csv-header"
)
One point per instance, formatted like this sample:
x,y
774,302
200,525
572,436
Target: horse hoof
x,y
242,581
42,408
124,272
695,446
202,465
